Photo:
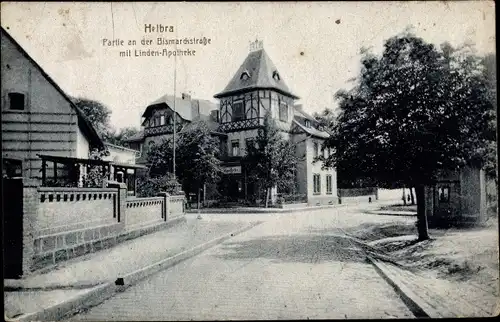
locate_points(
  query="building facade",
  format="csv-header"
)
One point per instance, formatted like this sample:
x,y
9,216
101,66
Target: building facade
x,y
457,198
158,120
38,118
255,90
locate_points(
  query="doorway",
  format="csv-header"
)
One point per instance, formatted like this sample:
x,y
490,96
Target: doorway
x,y
12,201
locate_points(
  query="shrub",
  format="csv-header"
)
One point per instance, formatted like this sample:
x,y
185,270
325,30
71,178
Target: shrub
x,y
150,187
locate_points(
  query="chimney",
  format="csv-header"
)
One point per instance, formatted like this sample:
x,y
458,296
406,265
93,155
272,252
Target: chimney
x,y
195,109
215,115
186,96
299,107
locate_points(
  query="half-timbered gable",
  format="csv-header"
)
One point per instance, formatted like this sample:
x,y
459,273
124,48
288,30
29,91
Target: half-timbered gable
x,y
257,89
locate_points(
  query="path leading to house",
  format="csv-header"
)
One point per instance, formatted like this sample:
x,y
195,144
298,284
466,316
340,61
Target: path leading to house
x,y
293,266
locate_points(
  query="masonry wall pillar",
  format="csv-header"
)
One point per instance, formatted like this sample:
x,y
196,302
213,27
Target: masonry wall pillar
x,y
166,205
121,208
30,208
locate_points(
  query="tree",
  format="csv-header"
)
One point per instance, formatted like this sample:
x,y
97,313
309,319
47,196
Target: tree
x,y
272,160
152,186
99,116
160,158
197,157
119,137
489,62
96,174
414,111
97,113
326,118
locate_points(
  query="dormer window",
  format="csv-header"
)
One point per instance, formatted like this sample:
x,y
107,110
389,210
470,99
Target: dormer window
x,y
276,76
307,123
245,75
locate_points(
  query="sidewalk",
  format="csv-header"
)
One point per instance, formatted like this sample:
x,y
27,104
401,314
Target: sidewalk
x,y
438,298
84,276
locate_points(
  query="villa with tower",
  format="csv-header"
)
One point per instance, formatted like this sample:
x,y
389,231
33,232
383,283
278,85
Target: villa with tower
x,y
257,88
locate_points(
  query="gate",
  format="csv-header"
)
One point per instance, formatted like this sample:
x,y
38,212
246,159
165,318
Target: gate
x,y
12,201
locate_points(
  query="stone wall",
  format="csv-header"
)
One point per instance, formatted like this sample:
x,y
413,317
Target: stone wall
x,y
63,223
176,206
63,209
142,211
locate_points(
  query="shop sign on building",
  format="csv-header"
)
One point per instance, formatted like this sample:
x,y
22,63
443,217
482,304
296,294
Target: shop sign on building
x,y
232,170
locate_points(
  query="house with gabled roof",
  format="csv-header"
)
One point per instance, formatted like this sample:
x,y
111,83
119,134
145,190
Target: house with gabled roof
x,y
45,137
256,89
38,118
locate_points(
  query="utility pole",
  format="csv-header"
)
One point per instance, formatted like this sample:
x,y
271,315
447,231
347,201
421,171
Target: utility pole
x,y
175,87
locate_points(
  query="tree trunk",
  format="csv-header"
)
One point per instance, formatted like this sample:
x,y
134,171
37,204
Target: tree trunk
x,y
199,191
422,227
412,196
404,196
267,196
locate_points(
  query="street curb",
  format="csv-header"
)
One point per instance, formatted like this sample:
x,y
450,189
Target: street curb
x,y
209,211
400,214
415,303
99,294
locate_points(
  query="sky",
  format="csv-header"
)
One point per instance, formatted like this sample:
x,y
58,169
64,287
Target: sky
x,y
314,45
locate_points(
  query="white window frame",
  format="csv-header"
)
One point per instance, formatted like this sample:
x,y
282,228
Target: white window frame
x,y
243,112
315,149
233,146
329,184
316,183
280,114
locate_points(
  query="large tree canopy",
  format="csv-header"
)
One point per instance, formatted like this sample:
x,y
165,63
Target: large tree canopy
x,y
98,115
197,161
413,111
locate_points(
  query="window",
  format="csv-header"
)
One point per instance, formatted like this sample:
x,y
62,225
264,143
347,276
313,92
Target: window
x,y
162,120
283,112
235,147
170,120
315,149
307,123
444,194
245,75
16,101
329,184
238,111
316,184
276,76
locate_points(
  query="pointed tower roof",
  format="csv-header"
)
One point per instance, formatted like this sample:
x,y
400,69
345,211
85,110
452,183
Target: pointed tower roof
x,y
256,72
